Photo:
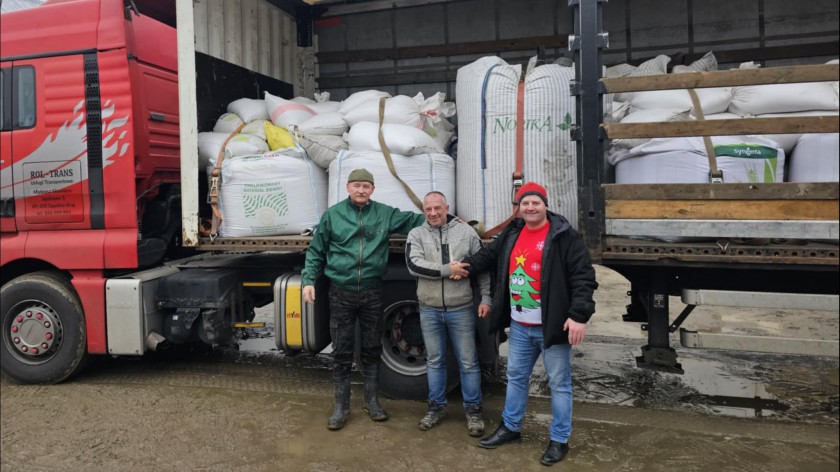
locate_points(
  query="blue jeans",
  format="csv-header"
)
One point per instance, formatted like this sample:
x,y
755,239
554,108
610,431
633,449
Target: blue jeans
x,y
459,327
525,344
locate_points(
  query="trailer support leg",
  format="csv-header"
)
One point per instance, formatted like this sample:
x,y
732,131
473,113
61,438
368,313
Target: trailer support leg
x,y
658,354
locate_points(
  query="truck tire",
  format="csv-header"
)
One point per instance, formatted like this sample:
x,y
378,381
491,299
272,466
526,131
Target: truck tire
x,y
44,339
403,371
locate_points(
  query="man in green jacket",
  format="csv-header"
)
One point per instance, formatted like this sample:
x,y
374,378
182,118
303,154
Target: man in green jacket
x,y
350,247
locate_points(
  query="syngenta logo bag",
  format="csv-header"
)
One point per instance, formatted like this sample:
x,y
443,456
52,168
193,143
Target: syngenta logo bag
x,y
747,151
753,168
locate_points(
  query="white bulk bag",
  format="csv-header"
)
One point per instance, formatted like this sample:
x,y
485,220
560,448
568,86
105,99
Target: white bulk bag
x,y
228,123
274,193
209,145
286,113
256,128
486,101
321,104
322,148
401,110
248,109
705,63
815,158
324,123
434,109
325,107
783,98
712,100
788,141
400,139
746,159
648,116
423,173
358,98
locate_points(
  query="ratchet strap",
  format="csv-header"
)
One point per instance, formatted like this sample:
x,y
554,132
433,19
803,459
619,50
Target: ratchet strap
x,y
213,191
518,177
715,174
390,162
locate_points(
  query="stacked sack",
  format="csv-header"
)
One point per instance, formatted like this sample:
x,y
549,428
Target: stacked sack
x,y
487,118
684,161
262,172
760,101
813,157
416,133
277,151
315,125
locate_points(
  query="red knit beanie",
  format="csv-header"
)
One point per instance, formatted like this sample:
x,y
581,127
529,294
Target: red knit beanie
x,y
532,188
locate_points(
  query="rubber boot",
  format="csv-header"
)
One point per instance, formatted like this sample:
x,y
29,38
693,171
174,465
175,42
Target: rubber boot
x,y
341,385
372,406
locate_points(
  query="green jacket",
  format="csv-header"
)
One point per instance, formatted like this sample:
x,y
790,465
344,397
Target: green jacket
x,y
350,245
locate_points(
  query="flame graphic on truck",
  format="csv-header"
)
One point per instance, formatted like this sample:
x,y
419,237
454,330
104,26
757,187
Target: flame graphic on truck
x,y
68,144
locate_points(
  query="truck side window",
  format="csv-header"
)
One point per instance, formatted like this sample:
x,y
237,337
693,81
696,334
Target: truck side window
x,y
24,83
5,101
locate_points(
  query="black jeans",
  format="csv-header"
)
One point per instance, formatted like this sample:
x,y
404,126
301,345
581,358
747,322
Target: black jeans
x,y
345,307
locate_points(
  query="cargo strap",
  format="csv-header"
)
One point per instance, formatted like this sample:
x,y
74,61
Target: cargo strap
x,y
213,191
389,161
518,177
715,174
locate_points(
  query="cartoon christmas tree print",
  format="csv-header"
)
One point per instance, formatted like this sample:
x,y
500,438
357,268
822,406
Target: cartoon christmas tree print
x,y
521,291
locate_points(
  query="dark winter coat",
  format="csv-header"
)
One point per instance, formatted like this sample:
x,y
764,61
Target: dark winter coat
x,y
567,278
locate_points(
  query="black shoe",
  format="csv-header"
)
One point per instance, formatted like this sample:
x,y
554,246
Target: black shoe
x,y
554,453
502,435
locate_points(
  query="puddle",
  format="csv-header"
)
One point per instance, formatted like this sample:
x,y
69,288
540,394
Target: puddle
x,y
715,382
734,384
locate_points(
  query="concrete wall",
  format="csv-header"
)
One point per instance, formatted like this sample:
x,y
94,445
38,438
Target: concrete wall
x,y
638,29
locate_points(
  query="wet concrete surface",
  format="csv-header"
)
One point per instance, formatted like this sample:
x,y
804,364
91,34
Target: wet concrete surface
x,y
260,409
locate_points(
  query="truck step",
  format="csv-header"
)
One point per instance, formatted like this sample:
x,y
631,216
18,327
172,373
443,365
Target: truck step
x,y
258,324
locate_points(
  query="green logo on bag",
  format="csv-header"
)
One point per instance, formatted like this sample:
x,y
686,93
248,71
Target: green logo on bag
x,y
265,201
540,124
747,151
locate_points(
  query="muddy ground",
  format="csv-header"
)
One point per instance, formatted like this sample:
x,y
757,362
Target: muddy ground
x,y
257,409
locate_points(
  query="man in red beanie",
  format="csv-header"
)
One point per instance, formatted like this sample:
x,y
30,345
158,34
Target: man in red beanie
x,y
546,299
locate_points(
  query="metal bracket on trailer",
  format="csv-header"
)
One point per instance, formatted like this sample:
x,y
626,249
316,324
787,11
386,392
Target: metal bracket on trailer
x,y
777,345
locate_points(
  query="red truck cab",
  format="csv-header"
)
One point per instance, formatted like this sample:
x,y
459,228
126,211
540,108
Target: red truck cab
x,y
88,176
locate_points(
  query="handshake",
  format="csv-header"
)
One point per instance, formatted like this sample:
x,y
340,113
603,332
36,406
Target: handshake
x,y
458,270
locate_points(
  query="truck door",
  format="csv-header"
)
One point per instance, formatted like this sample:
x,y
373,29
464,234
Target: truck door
x,y
7,196
49,143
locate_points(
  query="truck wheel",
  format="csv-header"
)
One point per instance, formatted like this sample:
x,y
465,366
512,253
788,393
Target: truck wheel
x,y
44,339
403,371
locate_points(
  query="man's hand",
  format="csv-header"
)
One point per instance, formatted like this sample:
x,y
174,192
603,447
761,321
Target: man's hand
x,y
458,270
483,310
309,294
575,330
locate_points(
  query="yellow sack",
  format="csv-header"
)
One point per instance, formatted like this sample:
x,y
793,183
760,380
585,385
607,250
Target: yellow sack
x,y
277,137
